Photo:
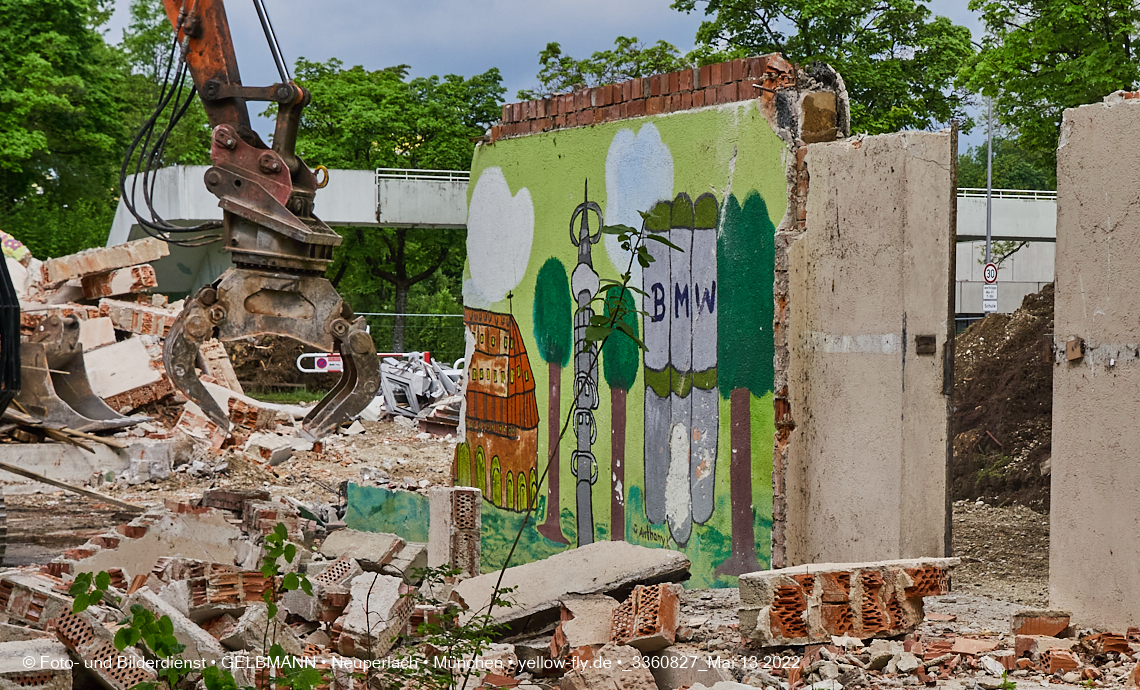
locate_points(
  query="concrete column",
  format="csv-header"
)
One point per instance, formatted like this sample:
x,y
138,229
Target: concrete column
x,y
454,532
1094,544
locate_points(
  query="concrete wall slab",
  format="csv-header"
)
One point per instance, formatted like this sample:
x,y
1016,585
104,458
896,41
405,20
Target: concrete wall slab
x,y
866,477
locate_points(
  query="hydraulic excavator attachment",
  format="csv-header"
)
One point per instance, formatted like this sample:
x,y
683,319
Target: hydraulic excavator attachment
x,y
55,386
279,247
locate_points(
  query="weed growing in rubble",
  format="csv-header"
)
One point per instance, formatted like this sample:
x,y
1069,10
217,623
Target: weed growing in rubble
x,y
441,658
158,632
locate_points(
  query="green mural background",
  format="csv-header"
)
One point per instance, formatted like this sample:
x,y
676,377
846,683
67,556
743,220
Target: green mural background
x,y
729,151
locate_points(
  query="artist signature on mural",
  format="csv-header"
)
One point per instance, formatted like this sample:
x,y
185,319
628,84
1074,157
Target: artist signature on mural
x,y
648,534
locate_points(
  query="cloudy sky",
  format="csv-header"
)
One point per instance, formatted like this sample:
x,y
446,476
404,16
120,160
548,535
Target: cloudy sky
x,y
458,36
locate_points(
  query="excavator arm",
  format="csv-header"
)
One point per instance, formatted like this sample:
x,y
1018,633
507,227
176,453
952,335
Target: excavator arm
x,y
279,247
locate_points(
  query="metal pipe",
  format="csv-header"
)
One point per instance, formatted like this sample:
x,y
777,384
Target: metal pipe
x,y
271,37
989,173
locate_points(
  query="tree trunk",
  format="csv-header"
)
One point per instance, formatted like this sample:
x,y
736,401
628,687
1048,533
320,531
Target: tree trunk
x,y
551,528
400,309
743,559
617,464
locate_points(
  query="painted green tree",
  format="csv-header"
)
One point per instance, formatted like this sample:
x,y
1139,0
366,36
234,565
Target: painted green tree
x,y
745,352
554,334
621,358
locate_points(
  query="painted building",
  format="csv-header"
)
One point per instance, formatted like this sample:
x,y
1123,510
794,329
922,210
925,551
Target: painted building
x,y
669,445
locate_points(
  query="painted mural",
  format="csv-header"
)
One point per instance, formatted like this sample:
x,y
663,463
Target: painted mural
x,y
667,446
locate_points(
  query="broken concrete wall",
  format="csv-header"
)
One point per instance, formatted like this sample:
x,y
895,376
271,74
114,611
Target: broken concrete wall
x,y
869,323
1094,556
671,447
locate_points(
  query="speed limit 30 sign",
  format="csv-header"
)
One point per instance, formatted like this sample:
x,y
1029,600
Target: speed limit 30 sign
x,y
990,289
989,273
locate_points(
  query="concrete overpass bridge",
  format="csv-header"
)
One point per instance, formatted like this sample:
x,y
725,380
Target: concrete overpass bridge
x,y
390,198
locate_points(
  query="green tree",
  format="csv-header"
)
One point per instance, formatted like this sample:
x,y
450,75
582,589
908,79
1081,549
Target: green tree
x,y
745,352
364,119
629,58
1042,56
361,119
61,129
621,359
553,333
897,60
1014,167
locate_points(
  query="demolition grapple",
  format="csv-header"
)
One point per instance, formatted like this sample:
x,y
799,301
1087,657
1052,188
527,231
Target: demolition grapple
x,y
280,249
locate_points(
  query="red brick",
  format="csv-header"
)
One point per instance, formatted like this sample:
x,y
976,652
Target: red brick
x,y
545,124
655,88
605,95
624,110
717,74
560,121
674,82
637,88
686,100
710,95
626,90
698,99
581,99
754,67
685,80
131,531
737,69
1103,643
726,93
506,112
1059,660
654,105
705,77
636,108
1049,623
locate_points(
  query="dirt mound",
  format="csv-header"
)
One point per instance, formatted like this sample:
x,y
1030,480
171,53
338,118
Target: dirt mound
x,y
270,361
1003,405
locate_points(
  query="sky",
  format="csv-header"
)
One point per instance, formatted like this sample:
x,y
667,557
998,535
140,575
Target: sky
x,y
464,37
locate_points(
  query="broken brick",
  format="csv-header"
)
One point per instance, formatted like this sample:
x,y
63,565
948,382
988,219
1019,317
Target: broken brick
x,y
881,599
1038,622
1059,660
1103,643
102,259
655,611
119,281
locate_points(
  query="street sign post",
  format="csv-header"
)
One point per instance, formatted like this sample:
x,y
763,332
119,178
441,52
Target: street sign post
x,y
990,289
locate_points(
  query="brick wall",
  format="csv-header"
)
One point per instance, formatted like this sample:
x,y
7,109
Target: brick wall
x,y
725,82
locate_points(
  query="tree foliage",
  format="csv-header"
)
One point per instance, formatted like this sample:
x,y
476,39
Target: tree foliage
x,y
629,58
364,119
1014,167
553,313
897,59
1042,56
60,129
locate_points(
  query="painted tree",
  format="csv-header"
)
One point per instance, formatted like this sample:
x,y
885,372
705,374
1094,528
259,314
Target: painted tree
x,y
745,352
621,359
553,332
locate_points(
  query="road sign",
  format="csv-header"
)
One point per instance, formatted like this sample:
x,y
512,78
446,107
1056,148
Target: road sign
x,y
989,298
989,273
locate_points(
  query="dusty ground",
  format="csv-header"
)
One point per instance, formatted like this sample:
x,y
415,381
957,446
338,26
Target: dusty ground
x,y
1004,552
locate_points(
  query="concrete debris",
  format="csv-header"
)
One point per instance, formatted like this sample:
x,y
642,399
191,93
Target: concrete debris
x,y
371,550
102,259
378,609
601,567
614,667
254,628
1039,622
50,668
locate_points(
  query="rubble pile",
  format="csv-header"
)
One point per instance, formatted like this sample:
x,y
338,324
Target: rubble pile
x,y
105,298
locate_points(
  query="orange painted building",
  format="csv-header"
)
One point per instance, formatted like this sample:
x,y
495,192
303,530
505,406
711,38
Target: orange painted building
x,y
502,413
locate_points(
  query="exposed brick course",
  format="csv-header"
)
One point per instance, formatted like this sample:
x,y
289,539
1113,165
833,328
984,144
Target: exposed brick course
x,y
726,82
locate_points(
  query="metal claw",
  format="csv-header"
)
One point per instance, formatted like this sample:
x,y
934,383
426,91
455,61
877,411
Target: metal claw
x,y
180,354
248,302
357,386
55,384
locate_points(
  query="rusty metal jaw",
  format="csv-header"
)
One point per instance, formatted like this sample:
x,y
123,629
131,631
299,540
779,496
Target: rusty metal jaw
x,y
246,302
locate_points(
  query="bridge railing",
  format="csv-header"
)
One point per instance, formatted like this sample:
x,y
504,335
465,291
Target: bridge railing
x,y
415,174
1035,194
